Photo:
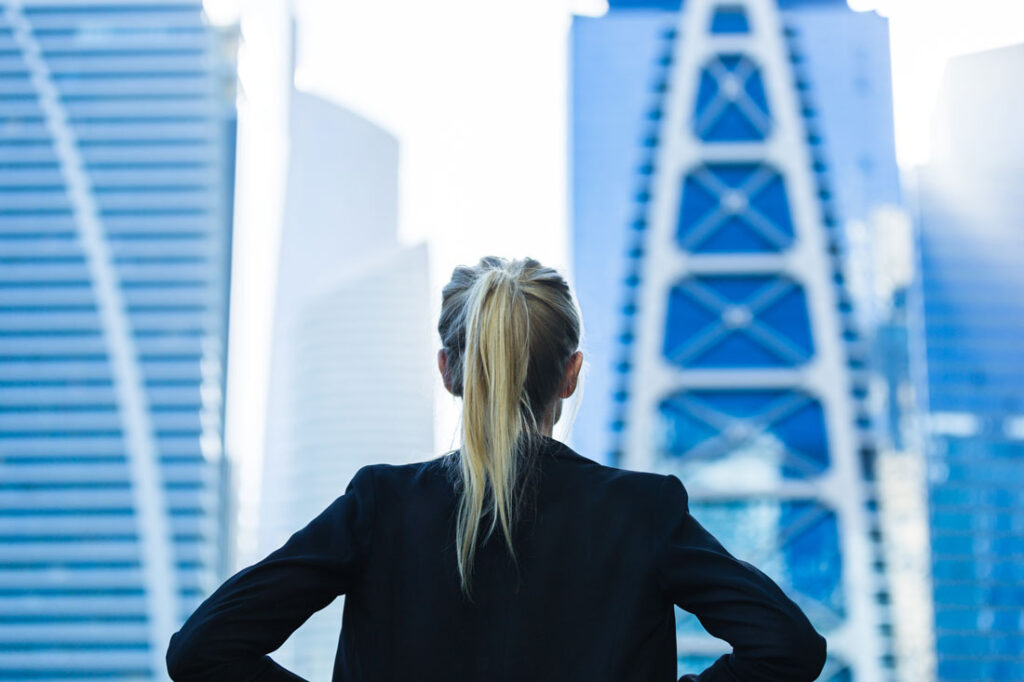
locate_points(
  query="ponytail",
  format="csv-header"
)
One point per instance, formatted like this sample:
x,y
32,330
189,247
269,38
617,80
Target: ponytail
x,y
494,416
508,329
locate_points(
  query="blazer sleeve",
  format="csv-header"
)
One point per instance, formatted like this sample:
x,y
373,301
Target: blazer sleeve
x,y
771,637
230,634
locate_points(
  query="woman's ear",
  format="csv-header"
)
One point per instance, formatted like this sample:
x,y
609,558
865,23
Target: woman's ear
x,y
442,364
572,374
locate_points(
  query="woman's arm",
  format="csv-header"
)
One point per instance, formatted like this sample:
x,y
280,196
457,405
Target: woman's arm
x,y
771,637
230,634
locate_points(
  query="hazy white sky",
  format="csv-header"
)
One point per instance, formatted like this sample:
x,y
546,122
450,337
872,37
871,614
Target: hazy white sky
x,y
476,92
924,35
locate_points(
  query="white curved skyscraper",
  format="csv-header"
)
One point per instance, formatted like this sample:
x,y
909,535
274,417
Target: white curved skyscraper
x,y
116,174
352,368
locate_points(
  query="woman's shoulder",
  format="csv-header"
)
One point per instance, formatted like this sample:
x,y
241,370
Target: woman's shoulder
x,y
604,486
613,474
401,478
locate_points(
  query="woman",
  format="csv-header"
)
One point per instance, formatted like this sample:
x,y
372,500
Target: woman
x,y
511,558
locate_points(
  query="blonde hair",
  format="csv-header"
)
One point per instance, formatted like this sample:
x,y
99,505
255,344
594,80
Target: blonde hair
x,y
509,329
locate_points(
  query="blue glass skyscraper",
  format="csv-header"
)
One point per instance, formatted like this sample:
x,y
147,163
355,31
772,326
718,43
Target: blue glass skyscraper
x,y
718,151
970,365
614,80
116,167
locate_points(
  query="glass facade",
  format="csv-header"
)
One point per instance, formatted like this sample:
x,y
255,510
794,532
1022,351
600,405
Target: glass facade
x,y
737,362
969,326
976,495
734,208
620,63
116,175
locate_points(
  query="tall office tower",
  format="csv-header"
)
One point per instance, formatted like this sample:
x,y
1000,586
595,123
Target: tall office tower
x,y
971,322
616,71
352,368
901,480
116,175
722,147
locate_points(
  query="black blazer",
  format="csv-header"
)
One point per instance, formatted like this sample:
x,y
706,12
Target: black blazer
x,y
600,561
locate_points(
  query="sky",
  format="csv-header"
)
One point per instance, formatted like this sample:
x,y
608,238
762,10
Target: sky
x,y
924,34
476,93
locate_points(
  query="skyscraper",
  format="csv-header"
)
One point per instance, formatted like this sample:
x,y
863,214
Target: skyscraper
x,y
351,366
902,496
614,81
116,177
719,151
970,365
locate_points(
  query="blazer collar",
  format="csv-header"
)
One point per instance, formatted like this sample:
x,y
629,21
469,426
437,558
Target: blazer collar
x,y
556,448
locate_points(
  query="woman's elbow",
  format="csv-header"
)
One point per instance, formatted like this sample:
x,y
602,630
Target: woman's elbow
x,y
810,653
176,657
184,663
194,655
798,654
807,648
820,652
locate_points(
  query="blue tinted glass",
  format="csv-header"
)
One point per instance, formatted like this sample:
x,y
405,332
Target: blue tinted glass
x,y
783,428
842,675
730,19
691,665
731,104
795,542
737,321
734,208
